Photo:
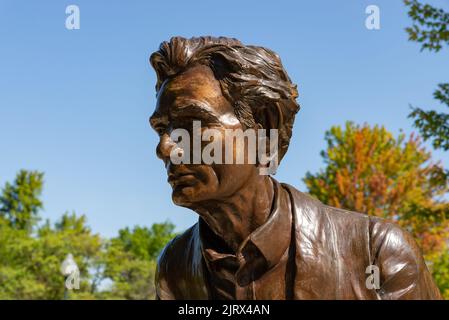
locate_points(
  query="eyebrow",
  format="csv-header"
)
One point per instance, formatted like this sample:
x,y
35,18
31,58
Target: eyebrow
x,y
195,109
156,120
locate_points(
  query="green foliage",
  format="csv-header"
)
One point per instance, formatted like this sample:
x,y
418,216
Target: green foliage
x,y
70,234
130,260
19,202
132,278
431,30
430,26
440,273
30,265
15,248
145,243
434,125
30,260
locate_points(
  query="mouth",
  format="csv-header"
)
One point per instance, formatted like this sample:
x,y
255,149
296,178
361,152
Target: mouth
x,y
181,180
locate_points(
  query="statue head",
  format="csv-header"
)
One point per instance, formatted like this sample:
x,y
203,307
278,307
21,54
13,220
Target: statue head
x,y
226,86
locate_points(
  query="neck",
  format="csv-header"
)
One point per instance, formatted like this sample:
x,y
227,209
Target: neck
x,y
235,217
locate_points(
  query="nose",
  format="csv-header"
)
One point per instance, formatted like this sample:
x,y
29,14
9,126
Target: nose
x,y
164,147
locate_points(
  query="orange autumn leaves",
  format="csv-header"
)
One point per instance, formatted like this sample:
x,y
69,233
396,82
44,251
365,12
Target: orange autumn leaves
x,y
368,170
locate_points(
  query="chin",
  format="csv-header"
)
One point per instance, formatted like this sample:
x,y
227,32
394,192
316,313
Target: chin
x,y
183,196
189,195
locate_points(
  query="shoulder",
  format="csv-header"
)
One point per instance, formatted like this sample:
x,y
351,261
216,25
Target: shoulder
x,y
403,271
172,263
306,204
369,240
175,248
383,238
388,237
393,246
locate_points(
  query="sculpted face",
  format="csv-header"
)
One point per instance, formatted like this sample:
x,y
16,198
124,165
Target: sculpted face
x,y
196,95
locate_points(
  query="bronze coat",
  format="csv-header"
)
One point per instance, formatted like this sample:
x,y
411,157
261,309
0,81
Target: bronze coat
x,y
329,249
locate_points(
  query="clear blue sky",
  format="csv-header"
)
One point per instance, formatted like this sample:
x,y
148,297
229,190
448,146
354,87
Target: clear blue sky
x,y
75,104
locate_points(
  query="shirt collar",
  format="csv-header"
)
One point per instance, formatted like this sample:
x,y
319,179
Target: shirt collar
x,y
262,249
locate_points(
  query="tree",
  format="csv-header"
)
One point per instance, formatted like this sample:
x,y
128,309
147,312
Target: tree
x,y
20,202
441,273
70,234
130,260
370,171
31,254
430,25
30,265
433,125
431,29
15,281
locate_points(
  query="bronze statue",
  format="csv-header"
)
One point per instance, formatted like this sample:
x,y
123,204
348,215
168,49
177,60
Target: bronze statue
x,y
257,238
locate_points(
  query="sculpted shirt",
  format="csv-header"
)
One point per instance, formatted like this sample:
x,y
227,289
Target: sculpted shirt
x,y
305,250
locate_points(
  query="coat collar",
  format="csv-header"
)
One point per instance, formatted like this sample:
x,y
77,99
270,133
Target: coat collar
x,y
262,249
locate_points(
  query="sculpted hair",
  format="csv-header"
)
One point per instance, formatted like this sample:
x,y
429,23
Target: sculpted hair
x,y
252,79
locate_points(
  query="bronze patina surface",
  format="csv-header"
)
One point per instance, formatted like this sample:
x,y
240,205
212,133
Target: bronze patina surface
x,y
257,238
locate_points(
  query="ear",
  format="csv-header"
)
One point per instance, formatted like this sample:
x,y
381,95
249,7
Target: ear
x,y
268,117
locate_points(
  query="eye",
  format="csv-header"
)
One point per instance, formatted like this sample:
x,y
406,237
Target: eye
x,y
160,129
187,122
158,123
